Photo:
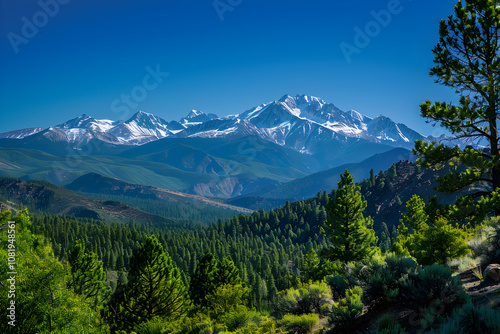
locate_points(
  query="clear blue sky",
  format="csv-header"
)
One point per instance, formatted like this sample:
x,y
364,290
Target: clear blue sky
x,y
89,53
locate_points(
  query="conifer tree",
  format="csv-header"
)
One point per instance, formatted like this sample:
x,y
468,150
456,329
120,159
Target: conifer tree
x,y
87,272
372,178
227,272
204,280
430,240
467,59
350,232
154,288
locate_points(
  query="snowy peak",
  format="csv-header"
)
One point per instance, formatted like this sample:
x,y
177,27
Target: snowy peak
x,y
301,122
20,134
87,122
196,117
148,120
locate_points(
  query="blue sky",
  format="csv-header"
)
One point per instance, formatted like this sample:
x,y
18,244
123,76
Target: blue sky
x,y
222,56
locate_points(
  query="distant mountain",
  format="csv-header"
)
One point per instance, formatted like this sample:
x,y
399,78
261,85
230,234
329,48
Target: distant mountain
x,y
49,198
99,184
20,134
306,124
216,169
308,186
196,117
387,198
250,153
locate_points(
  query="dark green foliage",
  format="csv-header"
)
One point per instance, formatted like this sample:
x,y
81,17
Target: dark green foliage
x,y
471,319
392,172
266,247
345,312
154,287
380,278
351,234
428,242
87,273
467,59
385,239
182,212
315,269
204,280
372,178
432,287
339,284
387,324
227,272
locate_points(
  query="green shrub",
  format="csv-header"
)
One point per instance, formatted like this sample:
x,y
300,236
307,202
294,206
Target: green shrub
x,y
380,277
340,283
486,247
347,309
268,326
388,324
471,319
237,318
386,321
432,291
300,324
308,298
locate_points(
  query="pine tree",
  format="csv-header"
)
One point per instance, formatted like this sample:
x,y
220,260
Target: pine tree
x,y
87,272
154,288
227,272
204,280
385,238
430,240
372,178
467,59
350,232
311,266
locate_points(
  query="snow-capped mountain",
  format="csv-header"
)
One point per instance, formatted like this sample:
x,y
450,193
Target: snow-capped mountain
x,y
141,128
304,123
87,122
196,117
20,134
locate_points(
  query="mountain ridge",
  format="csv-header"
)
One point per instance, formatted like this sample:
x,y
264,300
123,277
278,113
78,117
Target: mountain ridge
x,y
300,122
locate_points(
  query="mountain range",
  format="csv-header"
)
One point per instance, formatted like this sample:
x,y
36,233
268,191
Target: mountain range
x,y
251,153
303,123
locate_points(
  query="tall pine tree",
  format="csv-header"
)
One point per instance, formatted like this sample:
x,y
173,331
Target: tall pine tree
x,y
154,288
467,59
350,232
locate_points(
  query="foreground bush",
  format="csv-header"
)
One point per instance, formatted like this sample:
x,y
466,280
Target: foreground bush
x,y
308,298
347,309
471,319
380,277
300,324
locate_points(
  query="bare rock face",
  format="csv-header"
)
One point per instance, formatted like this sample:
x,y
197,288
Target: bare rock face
x,y
492,273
